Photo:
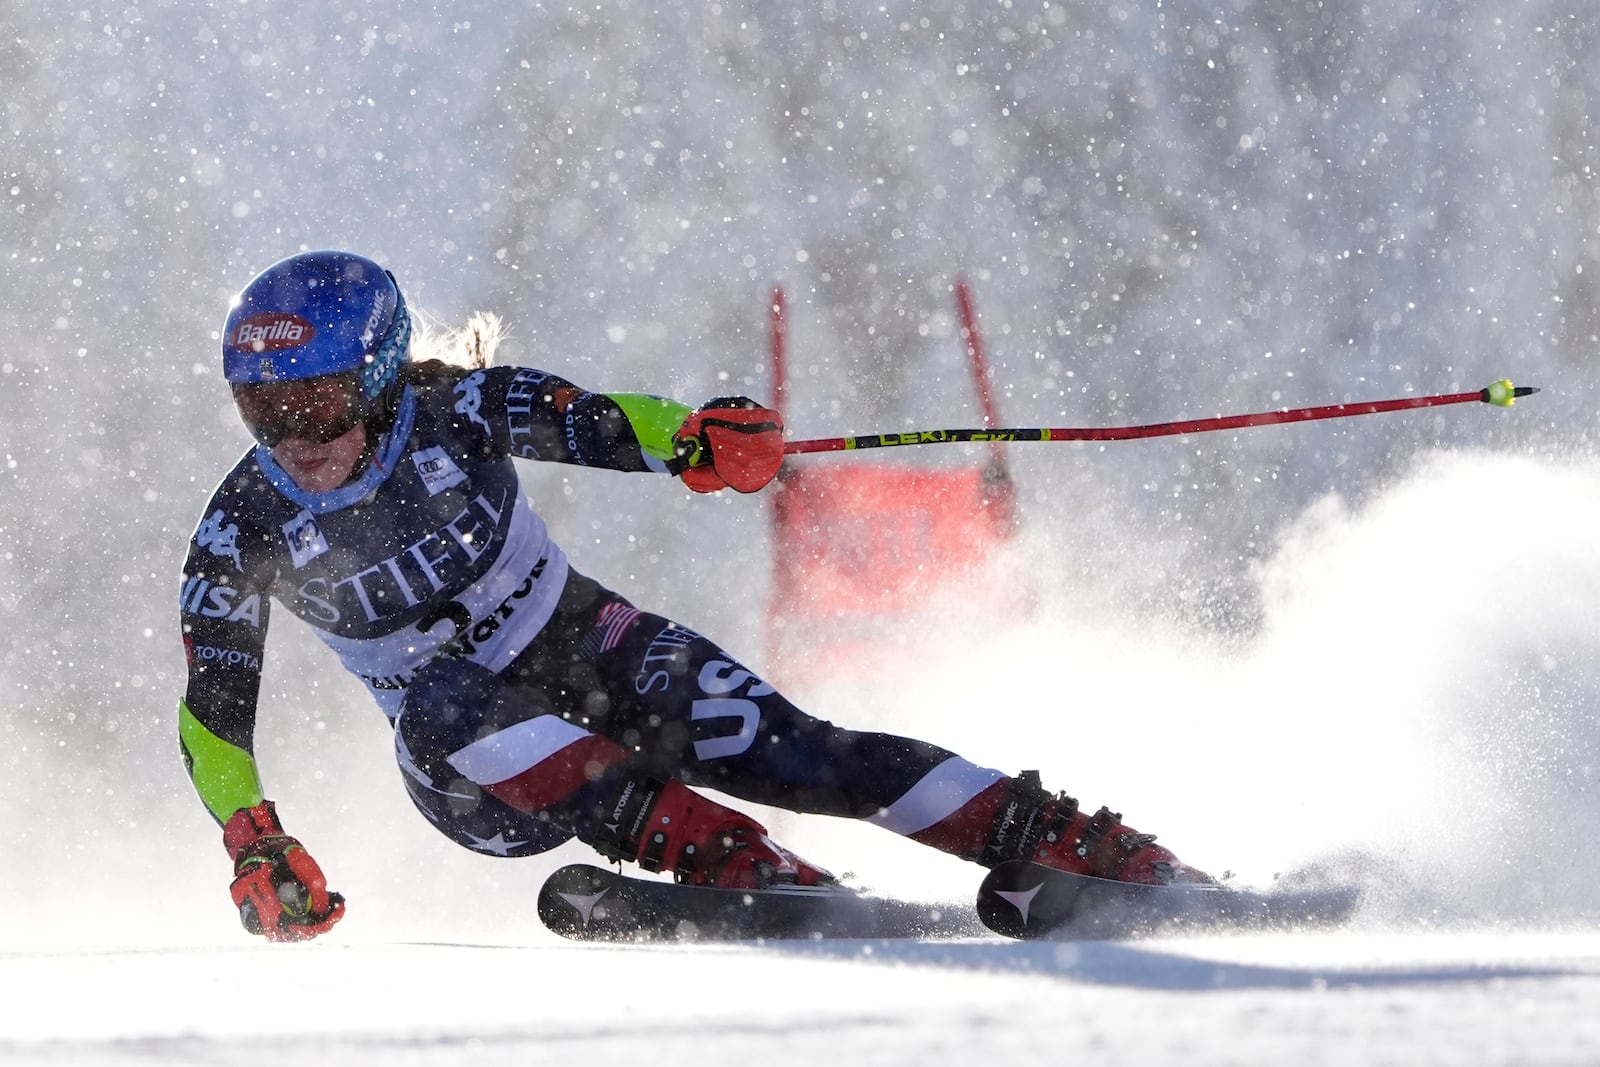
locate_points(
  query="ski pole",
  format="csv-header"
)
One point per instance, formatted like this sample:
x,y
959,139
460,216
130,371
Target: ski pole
x,y
1501,394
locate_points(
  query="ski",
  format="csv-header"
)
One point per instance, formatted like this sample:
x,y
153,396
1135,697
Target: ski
x,y
1026,901
587,903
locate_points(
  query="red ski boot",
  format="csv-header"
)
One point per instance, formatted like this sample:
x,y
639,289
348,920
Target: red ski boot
x,y
1101,845
668,826
1050,830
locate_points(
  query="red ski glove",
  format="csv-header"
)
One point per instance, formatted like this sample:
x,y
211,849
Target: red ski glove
x,y
729,443
278,888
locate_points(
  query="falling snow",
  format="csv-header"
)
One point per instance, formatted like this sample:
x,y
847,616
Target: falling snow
x,y
1366,644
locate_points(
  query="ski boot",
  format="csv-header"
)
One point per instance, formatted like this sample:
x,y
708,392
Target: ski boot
x,y
1050,830
666,826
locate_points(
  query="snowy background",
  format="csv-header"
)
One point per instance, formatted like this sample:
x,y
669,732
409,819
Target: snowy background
x,y
1367,643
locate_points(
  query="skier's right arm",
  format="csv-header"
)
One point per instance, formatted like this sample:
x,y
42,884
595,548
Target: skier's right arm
x,y
278,888
224,635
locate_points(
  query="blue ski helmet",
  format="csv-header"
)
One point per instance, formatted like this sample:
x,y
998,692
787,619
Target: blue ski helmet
x,y
319,313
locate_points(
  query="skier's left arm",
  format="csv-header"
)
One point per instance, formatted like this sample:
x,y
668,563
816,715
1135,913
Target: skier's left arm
x,y
730,442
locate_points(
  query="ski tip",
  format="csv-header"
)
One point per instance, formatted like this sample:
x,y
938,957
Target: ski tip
x,y
1503,394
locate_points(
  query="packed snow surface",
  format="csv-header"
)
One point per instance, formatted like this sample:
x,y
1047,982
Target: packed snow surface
x,y
1366,997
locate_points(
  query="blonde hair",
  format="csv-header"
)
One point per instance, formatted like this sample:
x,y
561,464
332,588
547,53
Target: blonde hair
x,y
471,345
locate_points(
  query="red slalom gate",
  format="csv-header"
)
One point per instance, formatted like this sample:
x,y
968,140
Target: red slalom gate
x,y
863,549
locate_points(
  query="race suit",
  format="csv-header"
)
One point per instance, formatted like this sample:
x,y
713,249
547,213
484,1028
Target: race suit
x,y
435,582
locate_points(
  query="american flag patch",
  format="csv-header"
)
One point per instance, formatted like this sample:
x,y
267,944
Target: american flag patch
x,y
611,626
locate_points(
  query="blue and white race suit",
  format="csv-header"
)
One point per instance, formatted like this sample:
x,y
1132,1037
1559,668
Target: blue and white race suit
x,y
435,582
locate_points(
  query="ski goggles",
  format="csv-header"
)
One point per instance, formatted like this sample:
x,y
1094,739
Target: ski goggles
x,y
316,410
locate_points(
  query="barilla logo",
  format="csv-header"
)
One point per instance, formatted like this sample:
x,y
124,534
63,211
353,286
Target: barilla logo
x,y
272,331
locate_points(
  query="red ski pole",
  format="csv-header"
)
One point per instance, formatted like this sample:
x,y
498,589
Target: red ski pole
x,y
1500,394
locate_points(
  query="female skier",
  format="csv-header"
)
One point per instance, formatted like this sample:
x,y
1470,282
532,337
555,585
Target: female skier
x,y
529,703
